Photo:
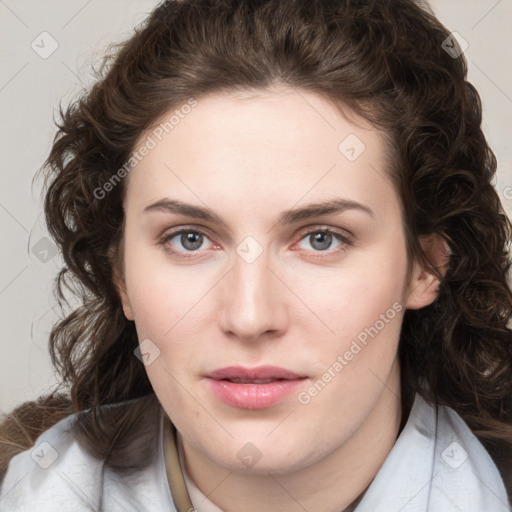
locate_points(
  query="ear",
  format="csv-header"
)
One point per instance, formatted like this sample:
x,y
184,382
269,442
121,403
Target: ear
x,y
120,285
424,286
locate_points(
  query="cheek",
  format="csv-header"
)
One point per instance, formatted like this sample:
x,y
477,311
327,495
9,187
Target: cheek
x,y
362,305
356,295
170,308
160,293
163,306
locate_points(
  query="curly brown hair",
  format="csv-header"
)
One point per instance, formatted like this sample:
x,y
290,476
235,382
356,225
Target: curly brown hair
x,y
384,60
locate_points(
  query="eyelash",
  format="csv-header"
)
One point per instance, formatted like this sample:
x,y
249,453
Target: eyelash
x,y
345,240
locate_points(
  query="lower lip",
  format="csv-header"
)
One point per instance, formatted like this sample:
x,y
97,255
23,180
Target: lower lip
x,y
253,396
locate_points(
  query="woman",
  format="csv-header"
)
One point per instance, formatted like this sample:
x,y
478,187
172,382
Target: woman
x,y
293,268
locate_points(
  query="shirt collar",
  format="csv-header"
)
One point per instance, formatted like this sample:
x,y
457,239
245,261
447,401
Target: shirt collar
x,y
436,464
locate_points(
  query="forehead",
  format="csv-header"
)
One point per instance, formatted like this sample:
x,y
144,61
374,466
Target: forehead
x,y
264,147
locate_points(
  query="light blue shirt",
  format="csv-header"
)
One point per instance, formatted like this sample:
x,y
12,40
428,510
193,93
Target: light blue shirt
x,y
434,466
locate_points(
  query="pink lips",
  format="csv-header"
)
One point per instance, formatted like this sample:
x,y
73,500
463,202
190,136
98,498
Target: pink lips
x,y
253,388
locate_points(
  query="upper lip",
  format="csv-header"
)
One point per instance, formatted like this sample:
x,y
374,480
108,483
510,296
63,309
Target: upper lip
x,y
260,372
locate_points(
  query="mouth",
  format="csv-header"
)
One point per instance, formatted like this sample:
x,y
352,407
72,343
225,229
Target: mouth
x,y
248,375
251,381
253,388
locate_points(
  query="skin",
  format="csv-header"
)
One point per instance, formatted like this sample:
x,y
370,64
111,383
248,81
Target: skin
x,y
248,158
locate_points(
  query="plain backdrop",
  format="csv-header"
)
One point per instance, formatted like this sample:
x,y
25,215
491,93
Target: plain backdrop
x,y
47,48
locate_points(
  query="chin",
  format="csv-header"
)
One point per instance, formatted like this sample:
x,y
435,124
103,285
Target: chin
x,y
265,455
275,465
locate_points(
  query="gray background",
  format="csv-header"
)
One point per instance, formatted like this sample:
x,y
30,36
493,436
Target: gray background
x,y
30,89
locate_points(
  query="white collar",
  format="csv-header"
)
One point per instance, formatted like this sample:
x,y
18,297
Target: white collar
x,y
437,464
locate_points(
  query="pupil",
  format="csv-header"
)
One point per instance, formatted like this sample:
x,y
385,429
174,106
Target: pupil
x,y
324,239
187,239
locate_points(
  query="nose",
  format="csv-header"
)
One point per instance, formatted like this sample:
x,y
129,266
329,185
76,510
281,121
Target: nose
x,y
253,301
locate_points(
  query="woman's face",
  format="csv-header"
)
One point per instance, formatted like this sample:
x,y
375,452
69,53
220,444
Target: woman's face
x,y
269,327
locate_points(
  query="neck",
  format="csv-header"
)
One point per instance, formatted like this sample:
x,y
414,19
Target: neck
x,y
334,483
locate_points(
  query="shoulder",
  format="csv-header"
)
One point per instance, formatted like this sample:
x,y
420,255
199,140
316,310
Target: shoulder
x,y
464,469
66,469
55,470
436,464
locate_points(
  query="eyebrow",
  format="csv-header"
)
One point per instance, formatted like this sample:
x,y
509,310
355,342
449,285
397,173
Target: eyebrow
x,y
329,207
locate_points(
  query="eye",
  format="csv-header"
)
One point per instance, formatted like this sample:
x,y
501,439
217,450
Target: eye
x,y
190,240
322,239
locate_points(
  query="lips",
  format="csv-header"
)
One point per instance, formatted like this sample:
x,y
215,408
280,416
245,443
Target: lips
x,y
253,388
261,373
251,381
